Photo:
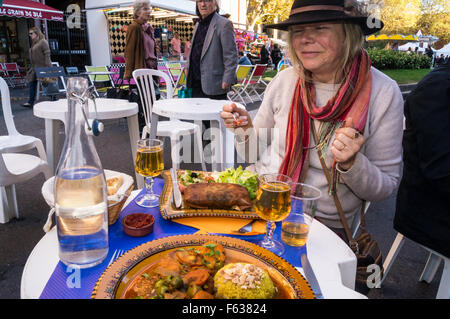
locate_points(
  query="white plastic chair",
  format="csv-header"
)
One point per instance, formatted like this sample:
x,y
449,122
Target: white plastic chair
x,y
173,128
430,269
354,227
16,167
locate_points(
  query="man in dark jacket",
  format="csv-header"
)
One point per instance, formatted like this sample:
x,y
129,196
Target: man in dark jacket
x,y
423,200
212,60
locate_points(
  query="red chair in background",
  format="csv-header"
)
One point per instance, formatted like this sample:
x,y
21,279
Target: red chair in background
x,y
16,78
256,78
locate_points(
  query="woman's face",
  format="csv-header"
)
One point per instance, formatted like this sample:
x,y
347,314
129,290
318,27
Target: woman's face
x,y
32,35
319,47
144,13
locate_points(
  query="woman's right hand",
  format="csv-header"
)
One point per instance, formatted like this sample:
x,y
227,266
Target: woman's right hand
x,y
234,117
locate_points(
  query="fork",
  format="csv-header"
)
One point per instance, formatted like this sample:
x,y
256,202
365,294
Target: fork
x,y
117,254
246,228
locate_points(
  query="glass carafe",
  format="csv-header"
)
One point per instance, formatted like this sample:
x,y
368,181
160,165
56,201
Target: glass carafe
x,y
81,203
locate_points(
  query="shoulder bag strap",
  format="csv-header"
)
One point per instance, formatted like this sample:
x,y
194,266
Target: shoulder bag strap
x,y
336,199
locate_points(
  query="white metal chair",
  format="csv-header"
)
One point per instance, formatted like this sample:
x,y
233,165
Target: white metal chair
x,y
431,267
173,128
16,167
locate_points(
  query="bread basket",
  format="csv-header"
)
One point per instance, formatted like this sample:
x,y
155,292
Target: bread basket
x,y
115,201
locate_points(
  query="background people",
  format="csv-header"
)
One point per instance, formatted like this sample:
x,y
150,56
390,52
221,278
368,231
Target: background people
x,y
212,61
176,45
423,199
39,58
140,49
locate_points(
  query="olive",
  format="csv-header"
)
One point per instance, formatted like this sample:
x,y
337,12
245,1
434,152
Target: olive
x,y
220,264
194,175
177,282
161,290
160,283
192,290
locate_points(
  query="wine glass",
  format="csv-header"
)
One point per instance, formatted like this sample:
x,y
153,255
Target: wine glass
x,y
273,204
149,163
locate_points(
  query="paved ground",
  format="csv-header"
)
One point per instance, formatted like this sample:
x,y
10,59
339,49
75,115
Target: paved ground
x,y
18,237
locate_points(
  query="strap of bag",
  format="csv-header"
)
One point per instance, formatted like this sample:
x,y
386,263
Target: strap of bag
x,y
352,242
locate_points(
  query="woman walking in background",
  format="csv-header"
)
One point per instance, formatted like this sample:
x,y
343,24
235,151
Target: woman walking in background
x,y
140,49
39,58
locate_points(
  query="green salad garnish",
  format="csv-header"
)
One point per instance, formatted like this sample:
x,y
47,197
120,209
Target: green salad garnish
x,y
241,177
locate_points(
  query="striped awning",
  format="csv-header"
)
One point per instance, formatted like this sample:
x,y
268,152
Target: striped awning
x,y
30,9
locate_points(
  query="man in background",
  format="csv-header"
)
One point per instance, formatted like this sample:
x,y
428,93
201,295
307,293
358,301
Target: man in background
x,y
212,60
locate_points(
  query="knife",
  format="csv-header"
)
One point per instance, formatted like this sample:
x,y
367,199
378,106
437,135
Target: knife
x,y
311,277
176,190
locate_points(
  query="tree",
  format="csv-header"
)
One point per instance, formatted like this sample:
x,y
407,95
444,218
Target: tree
x,y
265,11
400,16
435,19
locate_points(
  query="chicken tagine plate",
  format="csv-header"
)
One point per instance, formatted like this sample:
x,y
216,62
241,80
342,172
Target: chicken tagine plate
x,y
201,267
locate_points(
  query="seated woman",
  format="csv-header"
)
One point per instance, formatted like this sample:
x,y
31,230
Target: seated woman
x,y
332,94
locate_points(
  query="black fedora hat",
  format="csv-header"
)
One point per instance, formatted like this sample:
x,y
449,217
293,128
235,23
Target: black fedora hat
x,y
311,11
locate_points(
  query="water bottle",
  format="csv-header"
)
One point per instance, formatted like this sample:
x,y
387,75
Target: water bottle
x,y
81,202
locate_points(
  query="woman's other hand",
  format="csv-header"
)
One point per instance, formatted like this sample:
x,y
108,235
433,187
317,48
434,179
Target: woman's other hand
x,y
346,145
234,117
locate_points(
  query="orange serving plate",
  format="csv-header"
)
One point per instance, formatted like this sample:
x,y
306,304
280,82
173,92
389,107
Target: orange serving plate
x,y
120,275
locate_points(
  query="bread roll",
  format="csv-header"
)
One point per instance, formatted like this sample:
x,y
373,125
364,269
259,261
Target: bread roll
x,y
113,184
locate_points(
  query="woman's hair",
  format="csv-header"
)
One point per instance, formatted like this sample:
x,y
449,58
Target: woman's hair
x,y
38,32
198,12
138,5
354,40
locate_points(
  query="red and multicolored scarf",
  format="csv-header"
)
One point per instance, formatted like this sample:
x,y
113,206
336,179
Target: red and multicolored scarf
x,y
351,100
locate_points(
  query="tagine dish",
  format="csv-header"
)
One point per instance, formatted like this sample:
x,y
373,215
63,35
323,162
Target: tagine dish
x,y
201,267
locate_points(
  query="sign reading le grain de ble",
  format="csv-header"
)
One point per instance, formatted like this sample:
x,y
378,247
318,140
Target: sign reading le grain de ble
x,y
20,13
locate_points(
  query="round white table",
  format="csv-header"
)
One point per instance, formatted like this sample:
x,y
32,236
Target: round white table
x,y
334,264
200,109
55,112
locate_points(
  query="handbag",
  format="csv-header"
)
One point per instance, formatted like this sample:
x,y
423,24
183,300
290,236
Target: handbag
x,y
364,246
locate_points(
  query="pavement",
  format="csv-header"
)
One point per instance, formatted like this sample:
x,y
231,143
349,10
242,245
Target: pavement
x,y
19,236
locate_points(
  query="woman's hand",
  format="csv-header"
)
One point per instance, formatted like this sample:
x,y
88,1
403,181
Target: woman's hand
x,y
234,117
346,145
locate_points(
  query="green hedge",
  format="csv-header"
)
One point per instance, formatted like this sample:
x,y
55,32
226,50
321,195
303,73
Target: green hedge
x,y
387,59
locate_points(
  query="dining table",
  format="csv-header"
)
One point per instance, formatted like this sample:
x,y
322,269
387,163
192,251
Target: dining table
x,y
56,112
46,277
198,110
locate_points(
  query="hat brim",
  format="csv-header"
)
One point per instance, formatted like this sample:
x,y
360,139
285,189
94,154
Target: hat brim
x,y
369,25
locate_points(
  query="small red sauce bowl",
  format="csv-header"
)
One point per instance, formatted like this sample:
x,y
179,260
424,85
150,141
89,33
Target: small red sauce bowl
x,y
138,224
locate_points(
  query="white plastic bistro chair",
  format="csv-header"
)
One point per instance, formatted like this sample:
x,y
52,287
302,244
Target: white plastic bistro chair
x,y
15,166
173,128
430,269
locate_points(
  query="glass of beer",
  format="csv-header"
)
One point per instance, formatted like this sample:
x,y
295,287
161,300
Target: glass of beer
x,y
149,163
273,204
295,228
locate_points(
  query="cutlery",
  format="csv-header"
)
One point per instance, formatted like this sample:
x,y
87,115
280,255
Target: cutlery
x,y
311,277
246,228
117,254
176,191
